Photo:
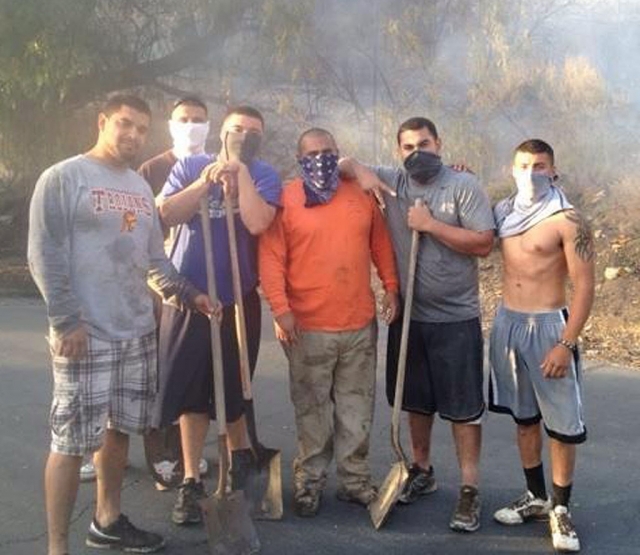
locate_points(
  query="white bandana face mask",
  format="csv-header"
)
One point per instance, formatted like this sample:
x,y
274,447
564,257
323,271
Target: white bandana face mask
x,y
188,138
532,187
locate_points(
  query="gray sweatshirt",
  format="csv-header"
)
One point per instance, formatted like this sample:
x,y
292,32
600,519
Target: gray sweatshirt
x,y
94,239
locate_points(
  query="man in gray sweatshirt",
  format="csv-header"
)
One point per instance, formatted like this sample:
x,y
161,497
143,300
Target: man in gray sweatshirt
x,y
94,239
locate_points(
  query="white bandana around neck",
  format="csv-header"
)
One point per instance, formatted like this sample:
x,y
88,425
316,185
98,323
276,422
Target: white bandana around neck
x,y
188,137
536,199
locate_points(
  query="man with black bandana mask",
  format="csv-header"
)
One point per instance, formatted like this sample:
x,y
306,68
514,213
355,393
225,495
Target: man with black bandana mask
x,y
535,365
315,271
445,353
253,186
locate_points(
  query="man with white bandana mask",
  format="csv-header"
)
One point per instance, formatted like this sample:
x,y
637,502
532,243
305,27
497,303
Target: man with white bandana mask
x,y
535,367
189,129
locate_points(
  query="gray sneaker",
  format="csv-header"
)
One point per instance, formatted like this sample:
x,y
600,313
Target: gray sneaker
x,y
563,533
421,482
466,517
527,507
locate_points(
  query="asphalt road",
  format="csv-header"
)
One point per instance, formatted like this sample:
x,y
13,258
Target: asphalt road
x,y
606,497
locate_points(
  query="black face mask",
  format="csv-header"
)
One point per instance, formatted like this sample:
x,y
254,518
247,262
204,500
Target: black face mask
x,y
243,146
422,166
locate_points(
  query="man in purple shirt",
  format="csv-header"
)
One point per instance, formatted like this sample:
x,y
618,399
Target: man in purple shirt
x,y
184,349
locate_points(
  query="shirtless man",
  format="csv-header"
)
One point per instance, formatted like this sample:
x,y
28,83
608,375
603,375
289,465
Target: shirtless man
x,y
535,367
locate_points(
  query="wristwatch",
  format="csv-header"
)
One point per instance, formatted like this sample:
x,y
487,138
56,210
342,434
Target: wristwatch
x,y
573,347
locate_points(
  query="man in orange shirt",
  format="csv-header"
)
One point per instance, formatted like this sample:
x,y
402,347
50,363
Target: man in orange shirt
x,y
315,270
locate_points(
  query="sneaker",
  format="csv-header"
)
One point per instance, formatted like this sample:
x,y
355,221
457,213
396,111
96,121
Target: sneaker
x,y
421,482
563,533
124,536
363,496
307,502
466,517
527,507
88,472
187,508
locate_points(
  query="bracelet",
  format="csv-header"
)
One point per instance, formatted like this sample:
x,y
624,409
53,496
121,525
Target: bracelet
x,y
573,347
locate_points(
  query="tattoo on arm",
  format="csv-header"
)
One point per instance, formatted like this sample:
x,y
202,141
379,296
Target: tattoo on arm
x,y
583,242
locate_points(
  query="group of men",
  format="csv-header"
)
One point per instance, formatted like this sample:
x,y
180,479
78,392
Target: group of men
x,y
96,237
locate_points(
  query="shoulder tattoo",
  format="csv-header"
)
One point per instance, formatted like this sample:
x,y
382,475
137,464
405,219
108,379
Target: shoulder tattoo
x,y
583,242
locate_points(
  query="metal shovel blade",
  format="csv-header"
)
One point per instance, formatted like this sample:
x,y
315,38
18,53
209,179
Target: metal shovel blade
x,y
230,530
265,489
388,495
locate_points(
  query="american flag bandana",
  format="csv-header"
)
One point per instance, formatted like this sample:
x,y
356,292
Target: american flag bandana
x,y
319,177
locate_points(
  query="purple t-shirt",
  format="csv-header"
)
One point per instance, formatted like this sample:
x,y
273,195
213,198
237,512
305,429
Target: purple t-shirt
x,y
188,251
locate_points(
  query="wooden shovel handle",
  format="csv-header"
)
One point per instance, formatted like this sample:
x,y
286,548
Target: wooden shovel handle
x,y
404,340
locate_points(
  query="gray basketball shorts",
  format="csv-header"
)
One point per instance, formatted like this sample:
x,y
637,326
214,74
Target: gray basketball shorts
x,y
519,343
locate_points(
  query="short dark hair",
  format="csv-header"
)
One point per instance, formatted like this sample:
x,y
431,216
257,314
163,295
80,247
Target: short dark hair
x,y
117,101
244,111
413,124
314,132
535,146
191,100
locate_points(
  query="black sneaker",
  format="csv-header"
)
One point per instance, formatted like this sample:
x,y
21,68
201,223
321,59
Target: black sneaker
x,y
466,517
124,536
421,482
187,508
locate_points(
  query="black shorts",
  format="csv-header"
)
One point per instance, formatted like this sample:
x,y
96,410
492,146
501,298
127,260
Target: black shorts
x,y
444,369
184,361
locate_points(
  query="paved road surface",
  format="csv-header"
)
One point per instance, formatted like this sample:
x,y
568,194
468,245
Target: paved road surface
x,y
606,498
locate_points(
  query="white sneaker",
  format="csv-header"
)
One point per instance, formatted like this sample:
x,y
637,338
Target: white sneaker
x,y
526,507
563,533
87,472
169,469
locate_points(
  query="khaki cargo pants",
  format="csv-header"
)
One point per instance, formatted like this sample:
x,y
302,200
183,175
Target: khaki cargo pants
x,y
332,383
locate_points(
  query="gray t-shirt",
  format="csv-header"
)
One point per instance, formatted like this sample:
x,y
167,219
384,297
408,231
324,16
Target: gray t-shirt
x,y
446,287
94,236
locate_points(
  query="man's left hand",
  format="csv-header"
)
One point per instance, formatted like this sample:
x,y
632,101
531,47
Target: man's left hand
x,y
557,362
390,307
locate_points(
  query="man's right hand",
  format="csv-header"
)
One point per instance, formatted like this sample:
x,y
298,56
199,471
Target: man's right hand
x,y
368,179
72,345
286,328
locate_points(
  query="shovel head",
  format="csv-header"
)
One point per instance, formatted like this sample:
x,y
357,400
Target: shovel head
x,y
230,530
265,487
388,495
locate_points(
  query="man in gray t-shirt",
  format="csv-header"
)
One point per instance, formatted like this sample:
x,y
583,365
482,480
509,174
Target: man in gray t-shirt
x,y
444,360
94,239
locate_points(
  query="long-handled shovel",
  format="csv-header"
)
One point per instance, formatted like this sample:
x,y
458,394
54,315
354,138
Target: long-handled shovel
x,y
230,530
266,493
398,475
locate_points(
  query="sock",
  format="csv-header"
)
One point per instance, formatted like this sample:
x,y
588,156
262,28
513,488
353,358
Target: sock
x,y
561,495
535,481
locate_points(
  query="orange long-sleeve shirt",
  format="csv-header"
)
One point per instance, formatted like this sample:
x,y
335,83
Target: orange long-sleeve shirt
x,y
316,262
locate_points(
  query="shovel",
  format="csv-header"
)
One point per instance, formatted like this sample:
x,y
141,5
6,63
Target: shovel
x,y
266,494
230,530
399,474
